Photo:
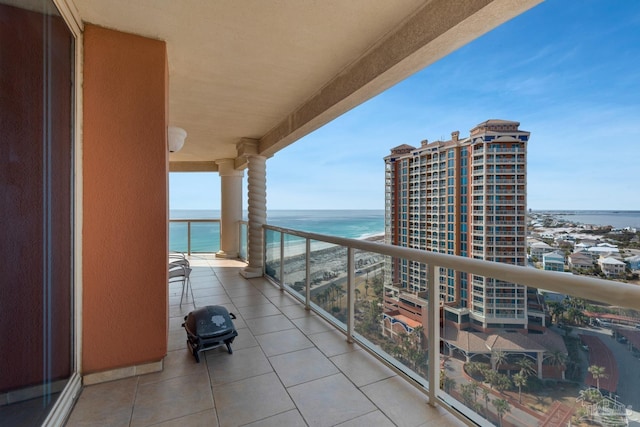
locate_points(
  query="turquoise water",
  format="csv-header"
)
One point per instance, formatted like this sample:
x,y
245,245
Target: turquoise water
x,y
352,224
616,219
205,237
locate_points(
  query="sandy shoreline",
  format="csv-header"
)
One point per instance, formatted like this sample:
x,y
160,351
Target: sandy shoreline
x,y
327,264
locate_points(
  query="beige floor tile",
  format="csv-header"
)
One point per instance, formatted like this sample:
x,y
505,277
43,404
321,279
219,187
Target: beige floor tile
x,y
243,363
372,419
207,418
107,403
361,368
178,311
312,324
332,343
286,419
213,300
283,342
201,282
250,400
175,323
249,300
173,398
209,291
245,339
301,366
282,299
177,340
329,401
254,311
402,402
295,311
177,363
262,283
243,290
264,325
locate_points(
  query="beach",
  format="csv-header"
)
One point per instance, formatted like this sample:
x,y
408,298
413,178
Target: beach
x,y
328,265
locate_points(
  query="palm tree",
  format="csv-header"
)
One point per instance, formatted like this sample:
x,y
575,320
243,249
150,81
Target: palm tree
x,y
526,366
502,382
485,395
520,380
557,310
502,407
597,372
473,368
448,384
467,394
590,395
498,357
474,387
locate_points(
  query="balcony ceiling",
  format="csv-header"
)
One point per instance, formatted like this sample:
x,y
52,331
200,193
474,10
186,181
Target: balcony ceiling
x,y
275,70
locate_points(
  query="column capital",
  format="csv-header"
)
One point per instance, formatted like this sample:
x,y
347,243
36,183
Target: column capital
x,y
248,147
226,167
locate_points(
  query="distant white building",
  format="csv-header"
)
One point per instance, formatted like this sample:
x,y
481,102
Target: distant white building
x,y
580,260
633,262
611,267
540,248
602,251
553,261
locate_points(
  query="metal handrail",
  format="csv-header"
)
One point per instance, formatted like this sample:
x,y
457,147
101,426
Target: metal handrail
x,y
610,292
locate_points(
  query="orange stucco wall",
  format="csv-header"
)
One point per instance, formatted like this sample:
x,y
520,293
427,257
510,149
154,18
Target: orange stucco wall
x,y
124,254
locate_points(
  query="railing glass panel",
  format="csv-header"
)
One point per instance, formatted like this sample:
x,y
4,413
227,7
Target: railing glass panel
x,y
272,254
243,240
194,235
328,277
537,358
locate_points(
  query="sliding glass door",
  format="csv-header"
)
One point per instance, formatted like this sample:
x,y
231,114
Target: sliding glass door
x,y
36,210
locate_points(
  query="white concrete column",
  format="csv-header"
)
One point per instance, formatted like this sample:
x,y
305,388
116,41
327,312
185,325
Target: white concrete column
x,y
539,357
231,208
257,206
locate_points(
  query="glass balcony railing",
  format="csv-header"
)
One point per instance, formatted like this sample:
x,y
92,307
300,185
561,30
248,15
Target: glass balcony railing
x,y
194,235
202,236
572,360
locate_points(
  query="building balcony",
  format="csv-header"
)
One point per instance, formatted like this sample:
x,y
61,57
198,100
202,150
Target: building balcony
x,y
289,367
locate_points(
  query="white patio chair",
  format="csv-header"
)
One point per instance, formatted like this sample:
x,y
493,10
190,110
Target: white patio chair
x,y
180,273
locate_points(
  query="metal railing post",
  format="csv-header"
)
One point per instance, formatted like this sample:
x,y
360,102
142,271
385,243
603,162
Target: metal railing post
x,y
307,293
433,334
189,238
282,261
350,294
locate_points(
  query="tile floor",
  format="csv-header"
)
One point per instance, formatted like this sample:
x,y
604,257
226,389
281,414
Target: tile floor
x,y
288,368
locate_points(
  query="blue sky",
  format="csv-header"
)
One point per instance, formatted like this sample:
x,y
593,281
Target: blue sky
x,y
568,71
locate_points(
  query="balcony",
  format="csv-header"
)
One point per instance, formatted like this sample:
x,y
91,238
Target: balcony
x,y
288,367
308,364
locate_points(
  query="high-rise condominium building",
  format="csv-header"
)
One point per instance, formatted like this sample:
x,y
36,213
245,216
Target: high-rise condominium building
x,y
463,197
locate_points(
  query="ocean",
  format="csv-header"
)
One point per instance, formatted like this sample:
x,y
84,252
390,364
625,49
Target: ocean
x,y
616,219
352,224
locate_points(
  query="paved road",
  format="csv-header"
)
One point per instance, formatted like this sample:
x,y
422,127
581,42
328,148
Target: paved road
x,y
628,366
515,416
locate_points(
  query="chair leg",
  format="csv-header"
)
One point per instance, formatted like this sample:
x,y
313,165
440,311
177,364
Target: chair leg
x,y
187,283
193,299
182,293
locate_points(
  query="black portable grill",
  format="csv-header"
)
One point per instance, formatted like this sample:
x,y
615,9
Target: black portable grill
x,y
209,327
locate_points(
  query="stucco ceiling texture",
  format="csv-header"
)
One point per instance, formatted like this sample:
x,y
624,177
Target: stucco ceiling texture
x,y
243,68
